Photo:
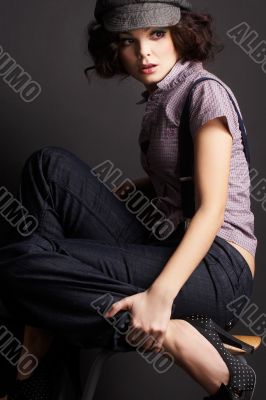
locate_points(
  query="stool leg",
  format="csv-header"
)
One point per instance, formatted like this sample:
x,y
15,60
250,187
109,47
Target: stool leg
x,y
95,373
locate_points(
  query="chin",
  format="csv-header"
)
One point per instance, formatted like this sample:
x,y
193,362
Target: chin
x,y
152,79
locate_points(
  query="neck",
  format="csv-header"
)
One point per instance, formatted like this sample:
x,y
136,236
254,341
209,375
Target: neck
x,y
151,88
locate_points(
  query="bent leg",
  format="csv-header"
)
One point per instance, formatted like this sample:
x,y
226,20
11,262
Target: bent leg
x,y
68,200
50,289
56,282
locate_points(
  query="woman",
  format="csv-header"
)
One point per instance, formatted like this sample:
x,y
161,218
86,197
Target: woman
x,y
89,244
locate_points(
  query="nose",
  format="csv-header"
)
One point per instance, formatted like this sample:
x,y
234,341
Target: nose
x,y
143,48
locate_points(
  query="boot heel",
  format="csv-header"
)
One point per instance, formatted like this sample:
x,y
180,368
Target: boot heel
x,y
224,393
232,341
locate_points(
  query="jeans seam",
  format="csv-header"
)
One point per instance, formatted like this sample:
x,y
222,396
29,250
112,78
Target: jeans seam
x,y
43,212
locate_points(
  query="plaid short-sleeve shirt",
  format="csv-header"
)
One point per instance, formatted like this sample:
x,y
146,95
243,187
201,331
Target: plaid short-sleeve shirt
x,y
159,128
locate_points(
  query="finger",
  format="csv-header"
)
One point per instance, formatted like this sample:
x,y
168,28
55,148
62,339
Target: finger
x,y
135,336
155,342
158,345
159,341
149,343
119,305
113,310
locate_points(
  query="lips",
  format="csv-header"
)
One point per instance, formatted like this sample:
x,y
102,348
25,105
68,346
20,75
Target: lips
x,y
144,66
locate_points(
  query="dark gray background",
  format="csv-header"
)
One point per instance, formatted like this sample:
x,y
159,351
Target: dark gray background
x,y
100,121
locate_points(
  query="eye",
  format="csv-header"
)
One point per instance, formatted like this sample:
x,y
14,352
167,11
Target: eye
x,y
123,41
128,41
162,33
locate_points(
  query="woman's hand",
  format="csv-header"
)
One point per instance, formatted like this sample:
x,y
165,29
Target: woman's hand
x,y
150,314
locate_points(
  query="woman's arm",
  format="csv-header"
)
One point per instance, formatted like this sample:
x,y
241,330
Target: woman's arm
x,y
151,310
212,154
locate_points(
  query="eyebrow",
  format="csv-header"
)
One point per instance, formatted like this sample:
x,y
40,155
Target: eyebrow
x,y
145,29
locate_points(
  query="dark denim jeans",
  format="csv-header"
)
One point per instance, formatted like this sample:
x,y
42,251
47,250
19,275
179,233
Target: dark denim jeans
x,y
88,245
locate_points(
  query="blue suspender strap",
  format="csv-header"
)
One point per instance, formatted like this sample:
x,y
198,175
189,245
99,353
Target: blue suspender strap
x,y
240,120
186,152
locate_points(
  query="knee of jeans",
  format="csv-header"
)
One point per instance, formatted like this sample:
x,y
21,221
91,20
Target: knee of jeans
x,y
47,151
49,155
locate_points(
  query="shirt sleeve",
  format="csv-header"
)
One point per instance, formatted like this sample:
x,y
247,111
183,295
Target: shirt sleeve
x,y
209,100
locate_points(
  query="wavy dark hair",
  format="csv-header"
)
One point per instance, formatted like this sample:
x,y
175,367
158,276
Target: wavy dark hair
x,y
193,36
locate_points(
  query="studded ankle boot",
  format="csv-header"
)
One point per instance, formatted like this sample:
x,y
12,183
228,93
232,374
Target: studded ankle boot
x,y
242,379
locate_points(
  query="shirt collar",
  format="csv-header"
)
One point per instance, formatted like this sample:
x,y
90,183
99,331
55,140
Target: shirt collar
x,y
179,71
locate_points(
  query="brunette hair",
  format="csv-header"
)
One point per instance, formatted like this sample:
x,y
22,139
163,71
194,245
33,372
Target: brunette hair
x,y
193,36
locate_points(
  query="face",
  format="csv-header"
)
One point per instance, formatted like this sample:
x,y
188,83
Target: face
x,y
147,46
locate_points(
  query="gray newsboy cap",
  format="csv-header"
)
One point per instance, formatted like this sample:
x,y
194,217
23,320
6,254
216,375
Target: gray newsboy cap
x,y
124,15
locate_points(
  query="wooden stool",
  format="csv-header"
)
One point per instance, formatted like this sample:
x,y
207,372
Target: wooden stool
x,y
104,354
254,341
